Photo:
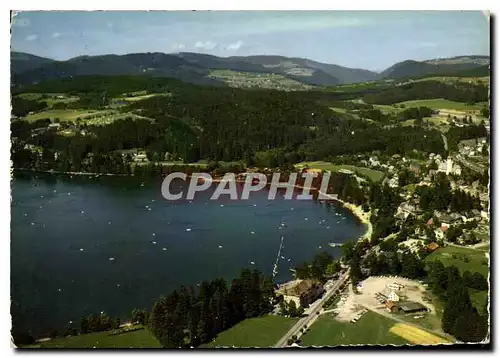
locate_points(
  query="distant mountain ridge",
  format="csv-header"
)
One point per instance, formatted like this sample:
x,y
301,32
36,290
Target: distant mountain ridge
x,y
445,66
195,67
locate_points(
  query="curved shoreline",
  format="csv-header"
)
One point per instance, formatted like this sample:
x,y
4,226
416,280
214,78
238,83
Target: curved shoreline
x,y
355,209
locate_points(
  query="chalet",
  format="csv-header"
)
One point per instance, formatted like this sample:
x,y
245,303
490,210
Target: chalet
x,y
140,157
440,232
393,296
54,126
407,208
433,246
467,216
391,306
314,171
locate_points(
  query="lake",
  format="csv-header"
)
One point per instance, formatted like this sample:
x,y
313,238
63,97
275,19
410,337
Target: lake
x,y
83,245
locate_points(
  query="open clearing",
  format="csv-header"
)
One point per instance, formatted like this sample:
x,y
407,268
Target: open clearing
x,y
463,258
371,328
262,332
374,175
140,338
64,114
50,98
440,103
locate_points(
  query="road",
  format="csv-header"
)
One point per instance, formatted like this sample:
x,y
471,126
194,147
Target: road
x,y
315,307
445,141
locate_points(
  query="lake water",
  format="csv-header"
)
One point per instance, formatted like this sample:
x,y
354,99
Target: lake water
x,y
85,245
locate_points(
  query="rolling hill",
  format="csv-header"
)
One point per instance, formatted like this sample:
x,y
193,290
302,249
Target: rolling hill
x,y
445,66
189,67
196,68
21,62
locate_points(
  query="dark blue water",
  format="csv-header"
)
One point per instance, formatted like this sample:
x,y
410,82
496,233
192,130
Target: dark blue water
x,y
64,231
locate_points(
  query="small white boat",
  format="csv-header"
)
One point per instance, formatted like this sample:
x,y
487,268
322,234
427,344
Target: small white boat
x,y
188,229
252,262
252,232
220,246
111,259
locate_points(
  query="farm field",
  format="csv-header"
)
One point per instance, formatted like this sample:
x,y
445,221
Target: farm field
x,y
416,335
463,258
140,338
140,97
261,332
371,329
449,79
51,98
374,175
440,103
63,114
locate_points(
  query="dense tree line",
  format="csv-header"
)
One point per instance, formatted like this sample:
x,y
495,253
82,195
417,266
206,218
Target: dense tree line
x,y
439,196
460,318
321,267
187,318
22,107
415,113
98,323
457,134
460,92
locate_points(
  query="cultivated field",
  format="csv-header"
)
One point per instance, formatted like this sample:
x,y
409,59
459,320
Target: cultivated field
x,y
440,103
261,332
64,114
415,335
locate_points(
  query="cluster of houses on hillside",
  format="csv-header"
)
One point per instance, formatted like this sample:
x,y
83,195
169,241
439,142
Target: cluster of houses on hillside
x,y
472,147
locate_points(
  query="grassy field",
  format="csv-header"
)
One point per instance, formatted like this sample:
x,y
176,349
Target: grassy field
x,y
63,114
51,98
374,175
372,328
458,256
440,103
140,97
136,339
449,79
260,332
387,109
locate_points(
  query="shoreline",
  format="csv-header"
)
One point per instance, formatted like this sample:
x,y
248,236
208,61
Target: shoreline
x,y
355,209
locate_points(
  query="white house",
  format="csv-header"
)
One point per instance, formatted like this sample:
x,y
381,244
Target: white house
x,y
393,297
439,233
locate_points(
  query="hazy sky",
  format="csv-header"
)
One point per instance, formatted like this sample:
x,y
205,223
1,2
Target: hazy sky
x,y
370,40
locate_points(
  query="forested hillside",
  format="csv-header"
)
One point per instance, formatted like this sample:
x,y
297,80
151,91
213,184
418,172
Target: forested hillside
x,y
196,122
